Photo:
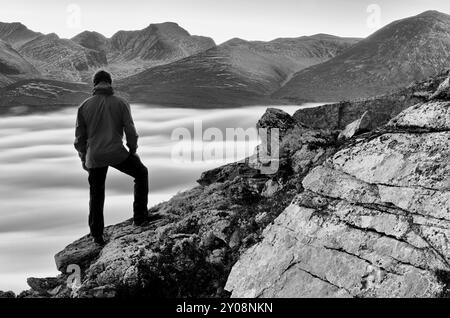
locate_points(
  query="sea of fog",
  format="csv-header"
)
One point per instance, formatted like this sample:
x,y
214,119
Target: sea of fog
x,y
44,191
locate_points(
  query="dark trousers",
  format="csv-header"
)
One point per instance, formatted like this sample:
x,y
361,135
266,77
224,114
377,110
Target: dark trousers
x,y
133,167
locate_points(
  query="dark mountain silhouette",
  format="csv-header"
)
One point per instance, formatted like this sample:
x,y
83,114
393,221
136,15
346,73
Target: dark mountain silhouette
x,y
237,72
400,53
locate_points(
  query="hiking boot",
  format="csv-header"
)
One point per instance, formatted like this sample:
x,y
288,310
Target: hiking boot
x,y
150,218
99,241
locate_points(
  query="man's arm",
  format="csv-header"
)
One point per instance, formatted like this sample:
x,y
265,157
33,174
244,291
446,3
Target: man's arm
x,y
130,129
81,137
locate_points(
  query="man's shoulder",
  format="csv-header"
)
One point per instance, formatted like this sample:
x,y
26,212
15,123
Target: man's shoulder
x,y
119,99
86,101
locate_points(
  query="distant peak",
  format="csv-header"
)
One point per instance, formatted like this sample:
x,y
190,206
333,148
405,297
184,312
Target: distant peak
x,y
88,33
320,35
52,36
433,14
14,24
167,28
236,40
168,23
164,25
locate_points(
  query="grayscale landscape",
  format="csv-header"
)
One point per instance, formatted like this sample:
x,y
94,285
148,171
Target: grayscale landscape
x,y
359,207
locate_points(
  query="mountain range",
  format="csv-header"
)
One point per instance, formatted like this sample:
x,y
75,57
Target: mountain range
x,y
237,72
164,64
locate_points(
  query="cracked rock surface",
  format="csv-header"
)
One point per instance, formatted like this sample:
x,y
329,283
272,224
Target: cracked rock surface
x,y
372,221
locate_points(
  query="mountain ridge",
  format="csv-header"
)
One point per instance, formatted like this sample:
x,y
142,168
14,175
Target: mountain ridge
x,y
235,73
124,54
404,51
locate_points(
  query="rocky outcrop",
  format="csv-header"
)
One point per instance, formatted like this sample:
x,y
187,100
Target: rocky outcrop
x,y
276,118
8,294
190,251
379,109
372,221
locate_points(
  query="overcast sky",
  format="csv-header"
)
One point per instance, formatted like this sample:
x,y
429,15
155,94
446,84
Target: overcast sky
x,y
221,20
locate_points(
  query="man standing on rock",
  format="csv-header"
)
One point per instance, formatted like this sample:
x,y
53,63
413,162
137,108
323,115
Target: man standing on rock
x,y
101,121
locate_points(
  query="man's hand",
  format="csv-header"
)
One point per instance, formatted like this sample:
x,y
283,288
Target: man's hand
x,y
83,164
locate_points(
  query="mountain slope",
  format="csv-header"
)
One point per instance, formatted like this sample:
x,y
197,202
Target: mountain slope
x,y
235,73
92,40
16,34
39,95
61,59
400,53
13,66
163,43
297,53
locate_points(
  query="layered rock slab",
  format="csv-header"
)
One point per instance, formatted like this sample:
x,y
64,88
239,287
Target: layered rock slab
x,y
373,220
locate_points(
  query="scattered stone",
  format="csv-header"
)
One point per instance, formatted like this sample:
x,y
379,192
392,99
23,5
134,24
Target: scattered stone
x,y
276,118
261,218
270,188
235,239
443,91
355,128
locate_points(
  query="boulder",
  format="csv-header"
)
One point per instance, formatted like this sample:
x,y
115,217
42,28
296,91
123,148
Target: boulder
x,y
276,118
80,253
227,173
433,115
355,128
44,286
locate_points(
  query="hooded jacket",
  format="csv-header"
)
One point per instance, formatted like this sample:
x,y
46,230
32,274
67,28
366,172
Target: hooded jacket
x,y
101,123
